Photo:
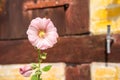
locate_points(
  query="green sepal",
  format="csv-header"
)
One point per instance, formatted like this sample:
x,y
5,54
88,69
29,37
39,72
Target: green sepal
x,y
43,55
34,66
38,72
34,77
40,78
47,68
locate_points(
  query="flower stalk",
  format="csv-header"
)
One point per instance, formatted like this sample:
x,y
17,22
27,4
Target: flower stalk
x,y
37,67
39,62
42,34
39,58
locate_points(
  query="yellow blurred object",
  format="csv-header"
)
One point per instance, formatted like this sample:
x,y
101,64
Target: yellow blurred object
x,y
99,71
103,13
100,27
106,13
105,71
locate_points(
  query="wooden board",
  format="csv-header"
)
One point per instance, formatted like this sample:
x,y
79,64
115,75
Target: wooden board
x,y
72,49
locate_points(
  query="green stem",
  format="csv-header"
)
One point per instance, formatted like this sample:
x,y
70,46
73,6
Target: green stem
x,y
39,61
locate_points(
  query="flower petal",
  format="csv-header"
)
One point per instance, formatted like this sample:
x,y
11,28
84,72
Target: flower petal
x,y
27,74
36,23
51,27
32,31
52,37
45,45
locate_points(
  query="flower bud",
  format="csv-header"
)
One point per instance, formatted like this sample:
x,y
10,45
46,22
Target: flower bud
x,y
26,71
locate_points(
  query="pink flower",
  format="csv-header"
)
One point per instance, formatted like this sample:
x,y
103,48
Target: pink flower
x,y
42,33
26,71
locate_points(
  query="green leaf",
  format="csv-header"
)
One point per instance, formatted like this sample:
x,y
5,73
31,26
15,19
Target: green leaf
x,y
34,77
47,68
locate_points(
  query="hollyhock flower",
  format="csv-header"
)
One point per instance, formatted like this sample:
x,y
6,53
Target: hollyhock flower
x,y
42,33
26,71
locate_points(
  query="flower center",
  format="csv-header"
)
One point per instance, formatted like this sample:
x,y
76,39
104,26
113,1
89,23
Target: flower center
x,y
41,34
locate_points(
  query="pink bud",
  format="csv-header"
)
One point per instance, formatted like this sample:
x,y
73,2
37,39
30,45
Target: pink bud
x,y
25,70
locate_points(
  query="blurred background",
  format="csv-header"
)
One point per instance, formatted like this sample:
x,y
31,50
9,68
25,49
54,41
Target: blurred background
x,y
81,25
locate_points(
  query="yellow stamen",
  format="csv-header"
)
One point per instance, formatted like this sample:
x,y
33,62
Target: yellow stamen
x,y
41,34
